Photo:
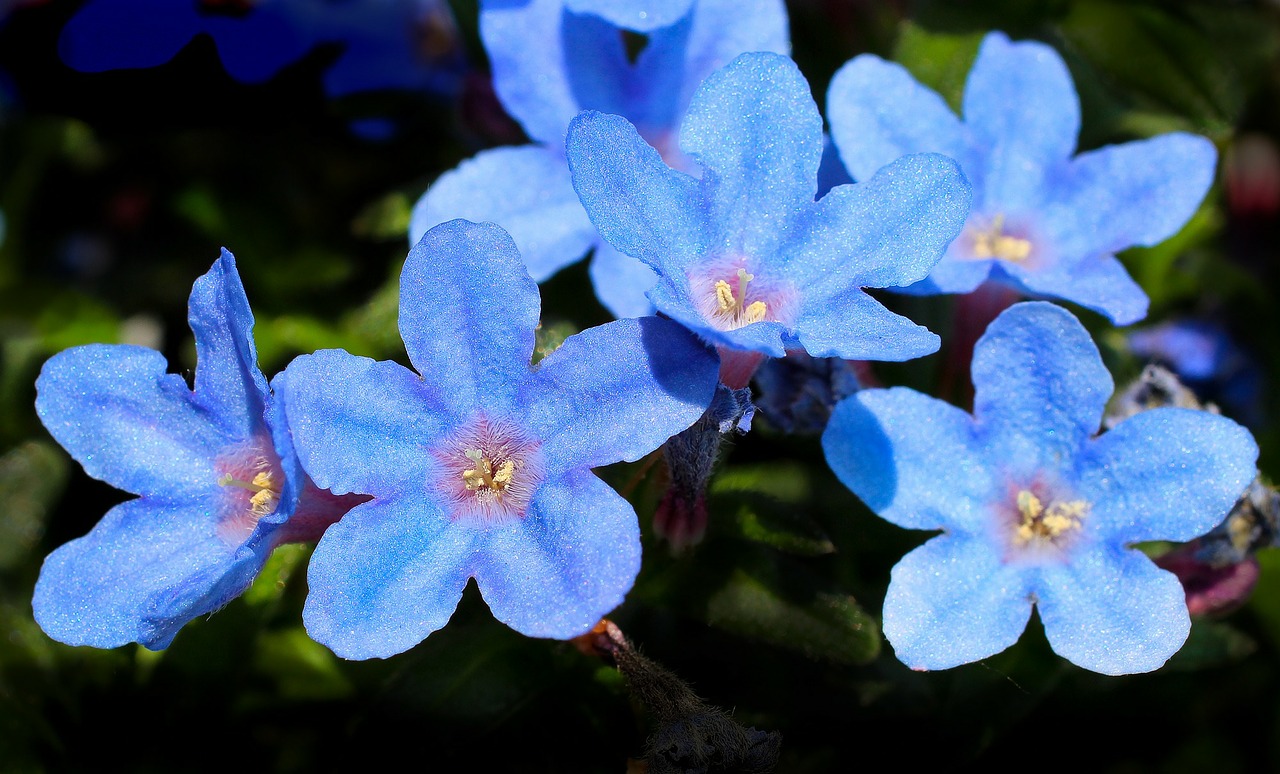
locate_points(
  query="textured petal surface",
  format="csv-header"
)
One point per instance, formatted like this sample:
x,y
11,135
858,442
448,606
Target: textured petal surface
x,y
1021,106
386,576
569,562
1166,474
533,81
878,113
146,569
1138,193
360,425
639,204
911,458
117,412
890,230
617,392
638,15
227,380
540,211
1099,282
723,29
755,129
1113,612
468,311
1040,388
951,601
621,282
855,326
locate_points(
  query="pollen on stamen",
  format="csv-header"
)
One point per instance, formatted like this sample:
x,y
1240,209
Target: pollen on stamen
x,y
1044,526
251,480
487,471
730,297
994,242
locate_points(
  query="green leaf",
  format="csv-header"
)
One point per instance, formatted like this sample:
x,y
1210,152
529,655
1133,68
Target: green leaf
x,y
818,623
939,60
284,563
768,504
32,477
1164,61
300,667
1212,644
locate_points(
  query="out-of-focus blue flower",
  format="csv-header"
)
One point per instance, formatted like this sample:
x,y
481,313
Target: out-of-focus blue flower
x,y
746,257
636,15
387,44
1206,359
216,476
479,464
1036,510
580,62
1045,222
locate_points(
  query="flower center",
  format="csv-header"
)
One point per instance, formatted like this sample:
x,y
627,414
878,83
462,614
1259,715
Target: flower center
x,y
733,308
483,475
489,470
1040,524
993,242
252,477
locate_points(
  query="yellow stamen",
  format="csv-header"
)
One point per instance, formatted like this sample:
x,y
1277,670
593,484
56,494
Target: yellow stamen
x,y
265,492
732,304
994,243
482,475
1039,523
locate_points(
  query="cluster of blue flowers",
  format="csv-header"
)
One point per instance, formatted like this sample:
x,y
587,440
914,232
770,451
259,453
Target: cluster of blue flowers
x,y
690,171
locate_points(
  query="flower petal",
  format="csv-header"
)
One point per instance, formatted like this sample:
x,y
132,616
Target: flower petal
x,y
911,458
952,601
1138,193
1040,388
468,311
143,571
536,83
617,392
542,213
360,425
1020,103
639,204
386,576
570,561
855,326
890,230
631,14
878,113
621,282
227,380
117,412
1099,282
1166,474
1113,612
755,129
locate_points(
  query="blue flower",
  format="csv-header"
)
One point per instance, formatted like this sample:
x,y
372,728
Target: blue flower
x,y
549,63
747,258
217,480
479,464
1036,510
1044,222
637,15
381,47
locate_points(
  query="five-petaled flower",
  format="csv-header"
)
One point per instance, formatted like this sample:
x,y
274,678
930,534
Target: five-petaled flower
x,y
746,257
1036,510
479,464
218,483
581,62
1043,222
